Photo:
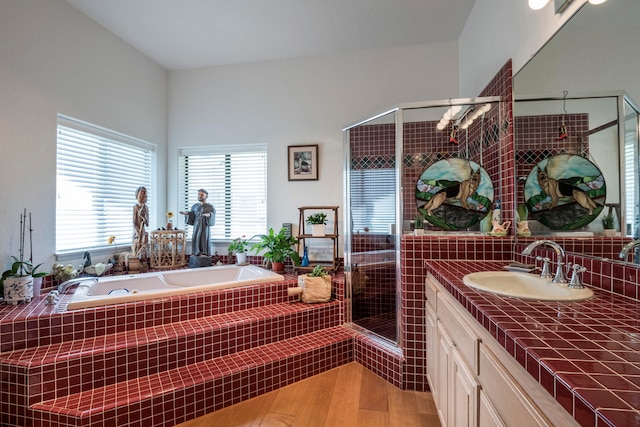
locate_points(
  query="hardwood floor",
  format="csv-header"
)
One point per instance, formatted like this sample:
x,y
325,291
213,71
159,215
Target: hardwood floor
x,y
348,396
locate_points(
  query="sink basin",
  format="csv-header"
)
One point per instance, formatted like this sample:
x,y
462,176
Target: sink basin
x,y
523,285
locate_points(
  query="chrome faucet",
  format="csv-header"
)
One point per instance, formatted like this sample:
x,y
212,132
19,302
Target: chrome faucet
x,y
626,248
54,295
559,277
64,286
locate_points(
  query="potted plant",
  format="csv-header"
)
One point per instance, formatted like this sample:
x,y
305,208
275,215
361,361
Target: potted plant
x,y
418,227
277,247
239,246
317,221
608,223
315,286
17,282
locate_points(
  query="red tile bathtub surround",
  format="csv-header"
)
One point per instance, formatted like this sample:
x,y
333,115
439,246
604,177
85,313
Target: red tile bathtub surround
x,y
586,354
36,323
75,352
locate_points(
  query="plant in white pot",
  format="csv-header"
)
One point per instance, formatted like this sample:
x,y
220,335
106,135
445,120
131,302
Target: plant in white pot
x,y
17,283
239,246
318,222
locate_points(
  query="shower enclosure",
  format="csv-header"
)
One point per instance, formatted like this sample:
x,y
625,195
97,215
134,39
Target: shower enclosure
x,y
385,156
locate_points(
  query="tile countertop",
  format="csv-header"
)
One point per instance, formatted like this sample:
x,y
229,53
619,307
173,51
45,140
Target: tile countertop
x,y
585,354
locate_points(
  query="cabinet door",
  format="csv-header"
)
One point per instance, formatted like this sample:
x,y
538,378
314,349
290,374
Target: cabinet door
x,y
432,346
443,362
464,393
488,415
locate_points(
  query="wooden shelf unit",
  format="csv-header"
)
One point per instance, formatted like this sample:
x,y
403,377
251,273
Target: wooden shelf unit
x,y
303,235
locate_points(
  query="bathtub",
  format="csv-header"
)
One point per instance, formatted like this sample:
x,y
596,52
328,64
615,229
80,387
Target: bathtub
x,y
118,289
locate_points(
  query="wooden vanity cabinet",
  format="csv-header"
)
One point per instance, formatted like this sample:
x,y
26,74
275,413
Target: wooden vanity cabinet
x,y
474,381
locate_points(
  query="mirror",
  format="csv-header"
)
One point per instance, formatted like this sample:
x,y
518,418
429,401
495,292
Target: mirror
x,y
580,71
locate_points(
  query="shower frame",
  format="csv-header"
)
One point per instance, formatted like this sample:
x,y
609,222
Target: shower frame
x,y
394,116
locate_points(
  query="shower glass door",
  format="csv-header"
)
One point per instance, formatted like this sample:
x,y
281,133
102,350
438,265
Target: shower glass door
x,y
372,192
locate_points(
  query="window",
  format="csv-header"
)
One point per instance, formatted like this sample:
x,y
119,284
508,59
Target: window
x,y
373,199
235,178
97,174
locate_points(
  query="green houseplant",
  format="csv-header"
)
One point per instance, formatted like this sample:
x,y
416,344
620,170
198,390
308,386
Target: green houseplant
x,y
418,227
239,246
276,248
317,221
608,223
17,283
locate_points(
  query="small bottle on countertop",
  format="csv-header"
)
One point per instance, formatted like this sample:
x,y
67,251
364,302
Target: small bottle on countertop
x,y
497,215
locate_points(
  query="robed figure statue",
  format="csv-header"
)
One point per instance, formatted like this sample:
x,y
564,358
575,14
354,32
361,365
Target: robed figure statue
x,y
201,216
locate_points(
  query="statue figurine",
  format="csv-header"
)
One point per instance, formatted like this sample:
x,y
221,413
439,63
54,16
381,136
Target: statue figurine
x,y
140,223
202,215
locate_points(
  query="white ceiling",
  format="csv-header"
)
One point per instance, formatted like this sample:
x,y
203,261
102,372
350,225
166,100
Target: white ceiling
x,y
182,34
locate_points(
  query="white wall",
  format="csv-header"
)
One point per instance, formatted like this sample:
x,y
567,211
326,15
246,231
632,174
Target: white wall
x,y
56,60
585,61
300,101
497,30
53,59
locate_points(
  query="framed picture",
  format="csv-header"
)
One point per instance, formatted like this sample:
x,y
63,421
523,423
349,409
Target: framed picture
x,y
303,162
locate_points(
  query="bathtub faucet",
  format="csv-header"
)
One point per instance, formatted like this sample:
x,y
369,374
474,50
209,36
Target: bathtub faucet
x,y
63,287
54,295
559,277
626,248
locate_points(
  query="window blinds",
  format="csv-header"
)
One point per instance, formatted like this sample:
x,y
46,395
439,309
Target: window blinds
x,y
373,199
235,178
98,172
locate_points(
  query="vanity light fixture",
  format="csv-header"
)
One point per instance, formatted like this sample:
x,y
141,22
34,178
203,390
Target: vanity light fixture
x,y
537,4
560,5
472,115
448,116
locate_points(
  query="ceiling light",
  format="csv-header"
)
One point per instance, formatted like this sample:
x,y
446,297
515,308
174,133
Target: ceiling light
x,y
597,1
537,4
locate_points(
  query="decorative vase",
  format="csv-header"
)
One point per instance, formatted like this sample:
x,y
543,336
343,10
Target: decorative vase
x,y
37,286
241,258
609,232
523,229
134,264
418,231
169,226
500,230
318,230
18,289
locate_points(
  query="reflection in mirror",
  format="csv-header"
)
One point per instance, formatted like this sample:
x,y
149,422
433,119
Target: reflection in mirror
x,y
592,54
